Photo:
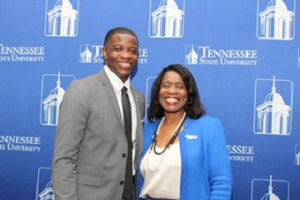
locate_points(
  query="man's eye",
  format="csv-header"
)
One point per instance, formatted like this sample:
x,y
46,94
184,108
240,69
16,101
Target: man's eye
x,y
133,51
118,49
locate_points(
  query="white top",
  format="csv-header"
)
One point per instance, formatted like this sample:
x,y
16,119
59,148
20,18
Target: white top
x,y
162,173
118,85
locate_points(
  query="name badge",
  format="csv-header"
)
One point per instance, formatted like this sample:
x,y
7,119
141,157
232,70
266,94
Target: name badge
x,y
191,137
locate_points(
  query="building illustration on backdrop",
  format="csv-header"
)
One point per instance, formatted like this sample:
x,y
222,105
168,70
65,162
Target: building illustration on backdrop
x,y
91,53
48,192
297,154
50,104
270,195
275,21
86,55
166,20
298,158
270,189
44,184
273,115
61,20
191,56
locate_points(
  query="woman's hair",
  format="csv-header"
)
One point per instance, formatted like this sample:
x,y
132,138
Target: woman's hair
x,y
194,108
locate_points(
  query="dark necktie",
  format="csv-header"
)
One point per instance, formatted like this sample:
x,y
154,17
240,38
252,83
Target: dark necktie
x,y
128,185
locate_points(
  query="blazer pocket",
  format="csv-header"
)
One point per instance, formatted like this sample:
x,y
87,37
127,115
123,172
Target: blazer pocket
x,y
90,180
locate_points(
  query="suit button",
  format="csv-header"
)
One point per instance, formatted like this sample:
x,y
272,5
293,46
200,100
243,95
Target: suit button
x,y
121,182
123,155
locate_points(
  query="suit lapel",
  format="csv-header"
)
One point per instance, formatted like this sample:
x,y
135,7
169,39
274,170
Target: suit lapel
x,y
109,91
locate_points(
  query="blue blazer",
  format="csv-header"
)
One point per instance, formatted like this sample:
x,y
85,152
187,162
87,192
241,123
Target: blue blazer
x,y
206,169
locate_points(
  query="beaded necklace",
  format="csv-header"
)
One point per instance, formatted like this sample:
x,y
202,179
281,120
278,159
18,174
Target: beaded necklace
x,y
171,141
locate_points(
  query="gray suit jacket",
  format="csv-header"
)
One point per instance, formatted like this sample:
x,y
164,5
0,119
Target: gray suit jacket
x,y
89,162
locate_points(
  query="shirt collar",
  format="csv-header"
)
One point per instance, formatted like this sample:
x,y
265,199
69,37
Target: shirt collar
x,y
115,80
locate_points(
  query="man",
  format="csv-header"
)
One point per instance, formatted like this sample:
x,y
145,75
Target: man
x,y
91,147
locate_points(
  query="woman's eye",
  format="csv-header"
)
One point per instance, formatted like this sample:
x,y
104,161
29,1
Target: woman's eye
x,y
165,86
180,87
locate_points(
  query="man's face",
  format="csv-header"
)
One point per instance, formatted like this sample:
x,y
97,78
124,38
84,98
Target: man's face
x,y
121,54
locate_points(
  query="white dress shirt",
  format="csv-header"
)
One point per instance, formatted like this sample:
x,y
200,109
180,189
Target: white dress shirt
x,y
118,85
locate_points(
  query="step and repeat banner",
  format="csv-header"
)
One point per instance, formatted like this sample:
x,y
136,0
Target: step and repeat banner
x,y
245,56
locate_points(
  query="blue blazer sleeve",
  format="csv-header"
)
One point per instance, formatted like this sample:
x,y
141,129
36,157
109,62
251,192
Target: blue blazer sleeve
x,y
206,168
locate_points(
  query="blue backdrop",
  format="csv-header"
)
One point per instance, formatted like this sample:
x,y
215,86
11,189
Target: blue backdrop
x,y
245,56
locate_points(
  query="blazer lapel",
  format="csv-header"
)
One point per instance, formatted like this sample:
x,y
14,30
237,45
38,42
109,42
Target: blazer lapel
x,y
108,89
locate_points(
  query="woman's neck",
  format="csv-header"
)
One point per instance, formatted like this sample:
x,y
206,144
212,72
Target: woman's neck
x,y
173,118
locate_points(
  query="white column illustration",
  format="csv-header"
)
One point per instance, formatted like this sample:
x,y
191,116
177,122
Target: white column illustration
x,y
192,56
297,154
62,20
86,55
273,115
51,103
167,20
298,158
270,195
276,21
47,193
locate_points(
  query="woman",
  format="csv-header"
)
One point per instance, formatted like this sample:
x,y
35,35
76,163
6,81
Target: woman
x,y
185,155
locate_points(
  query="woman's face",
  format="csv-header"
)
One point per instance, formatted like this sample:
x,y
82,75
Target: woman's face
x,y
173,93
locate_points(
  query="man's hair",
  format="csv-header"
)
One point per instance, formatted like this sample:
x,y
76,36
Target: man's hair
x,y
117,30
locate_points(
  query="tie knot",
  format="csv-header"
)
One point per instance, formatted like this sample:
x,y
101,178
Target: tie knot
x,y
124,89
